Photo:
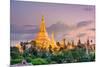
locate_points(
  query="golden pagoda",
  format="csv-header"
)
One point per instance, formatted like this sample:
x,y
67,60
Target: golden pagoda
x,y
53,42
42,39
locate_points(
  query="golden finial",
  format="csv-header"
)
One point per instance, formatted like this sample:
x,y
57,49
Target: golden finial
x,y
42,18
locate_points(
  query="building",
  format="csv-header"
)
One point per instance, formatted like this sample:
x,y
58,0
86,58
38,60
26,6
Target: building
x,y
42,39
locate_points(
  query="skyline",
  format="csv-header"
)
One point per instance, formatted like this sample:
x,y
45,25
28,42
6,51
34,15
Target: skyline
x,y
26,17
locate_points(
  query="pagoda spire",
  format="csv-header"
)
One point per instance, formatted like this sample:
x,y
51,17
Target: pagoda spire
x,y
42,38
53,40
42,26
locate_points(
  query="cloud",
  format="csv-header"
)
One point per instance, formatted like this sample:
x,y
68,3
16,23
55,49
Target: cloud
x,y
83,23
29,32
22,36
58,28
80,34
18,29
91,29
30,26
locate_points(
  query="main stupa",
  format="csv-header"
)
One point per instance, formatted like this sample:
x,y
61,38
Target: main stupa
x,y
42,39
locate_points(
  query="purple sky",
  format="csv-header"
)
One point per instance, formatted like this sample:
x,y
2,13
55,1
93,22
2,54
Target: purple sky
x,y
66,20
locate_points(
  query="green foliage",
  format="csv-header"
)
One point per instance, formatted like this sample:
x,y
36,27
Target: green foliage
x,y
45,57
15,61
28,59
92,56
26,53
78,54
39,61
68,56
15,54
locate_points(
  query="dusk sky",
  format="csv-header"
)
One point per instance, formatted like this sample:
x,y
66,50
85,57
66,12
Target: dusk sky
x,y
65,20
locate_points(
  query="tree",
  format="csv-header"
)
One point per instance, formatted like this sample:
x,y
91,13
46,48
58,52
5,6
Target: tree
x,y
16,56
39,61
14,52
